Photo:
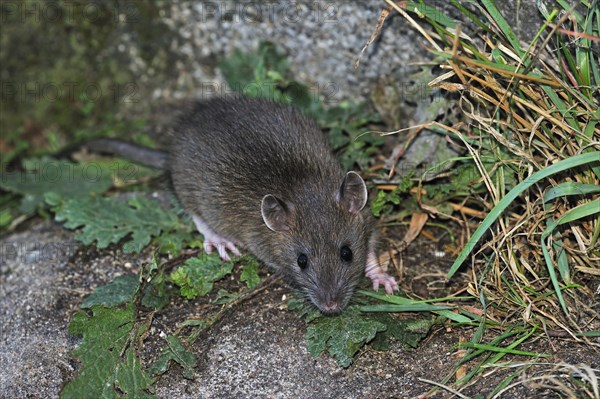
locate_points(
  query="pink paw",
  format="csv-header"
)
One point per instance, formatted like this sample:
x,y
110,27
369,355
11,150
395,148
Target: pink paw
x,y
387,281
378,276
212,240
222,248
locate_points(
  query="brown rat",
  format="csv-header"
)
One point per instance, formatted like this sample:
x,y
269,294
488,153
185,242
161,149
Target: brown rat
x,y
260,175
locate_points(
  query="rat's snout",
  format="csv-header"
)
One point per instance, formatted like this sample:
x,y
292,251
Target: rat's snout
x,y
331,306
332,302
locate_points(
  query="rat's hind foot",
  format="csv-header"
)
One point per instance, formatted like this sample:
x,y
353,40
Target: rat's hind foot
x,y
212,240
378,276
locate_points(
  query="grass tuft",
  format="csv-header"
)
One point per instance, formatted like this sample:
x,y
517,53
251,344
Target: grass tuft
x,y
530,128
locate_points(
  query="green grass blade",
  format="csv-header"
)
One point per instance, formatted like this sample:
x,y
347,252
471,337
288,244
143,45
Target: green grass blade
x,y
459,318
563,109
596,233
567,6
491,8
562,261
595,31
570,188
431,13
415,307
398,300
491,348
579,212
468,13
576,213
553,278
561,166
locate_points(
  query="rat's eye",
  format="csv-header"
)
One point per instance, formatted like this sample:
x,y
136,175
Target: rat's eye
x,y
302,261
346,254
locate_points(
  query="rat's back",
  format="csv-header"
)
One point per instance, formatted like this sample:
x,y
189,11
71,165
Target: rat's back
x,y
228,153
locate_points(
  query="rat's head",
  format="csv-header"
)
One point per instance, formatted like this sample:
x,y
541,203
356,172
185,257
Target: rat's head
x,y
323,241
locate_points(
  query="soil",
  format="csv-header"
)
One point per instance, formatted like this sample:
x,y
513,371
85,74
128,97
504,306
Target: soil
x,y
258,349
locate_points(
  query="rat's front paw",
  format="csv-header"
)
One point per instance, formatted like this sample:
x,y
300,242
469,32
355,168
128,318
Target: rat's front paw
x,y
378,276
222,246
387,281
212,240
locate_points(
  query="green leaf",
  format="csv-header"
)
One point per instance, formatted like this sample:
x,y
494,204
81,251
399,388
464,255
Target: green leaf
x,y
5,217
105,373
108,220
250,273
176,352
412,307
401,304
385,201
131,380
197,275
224,296
306,310
47,175
431,13
579,212
119,291
407,331
262,74
341,335
492,348
157,294
171,242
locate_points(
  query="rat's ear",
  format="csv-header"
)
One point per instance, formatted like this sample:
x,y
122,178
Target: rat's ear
x,y
276,214
353,193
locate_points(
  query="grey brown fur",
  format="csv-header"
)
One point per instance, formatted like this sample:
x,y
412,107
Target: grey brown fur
x,y
229,153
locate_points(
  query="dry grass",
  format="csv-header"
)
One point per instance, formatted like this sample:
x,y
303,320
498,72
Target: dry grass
x,y
534,109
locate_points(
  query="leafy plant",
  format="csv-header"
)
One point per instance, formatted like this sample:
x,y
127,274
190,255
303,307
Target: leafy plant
x,y
529,163
174,351
590,209
119,291
343,335
197,275
385,201
42,176
109,220
250,273
110,366
111,330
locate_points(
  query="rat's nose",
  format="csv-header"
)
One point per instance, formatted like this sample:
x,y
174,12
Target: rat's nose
x,y
330,306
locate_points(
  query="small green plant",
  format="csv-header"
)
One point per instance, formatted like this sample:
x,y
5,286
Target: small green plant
x,y
196,276
343,335
108,220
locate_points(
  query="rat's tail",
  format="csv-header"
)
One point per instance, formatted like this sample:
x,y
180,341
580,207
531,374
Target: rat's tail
x,y
132,152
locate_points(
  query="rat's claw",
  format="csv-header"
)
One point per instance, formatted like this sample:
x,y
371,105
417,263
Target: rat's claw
x,y
375,284
390,284
231,246
227,245
222,249
208,247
